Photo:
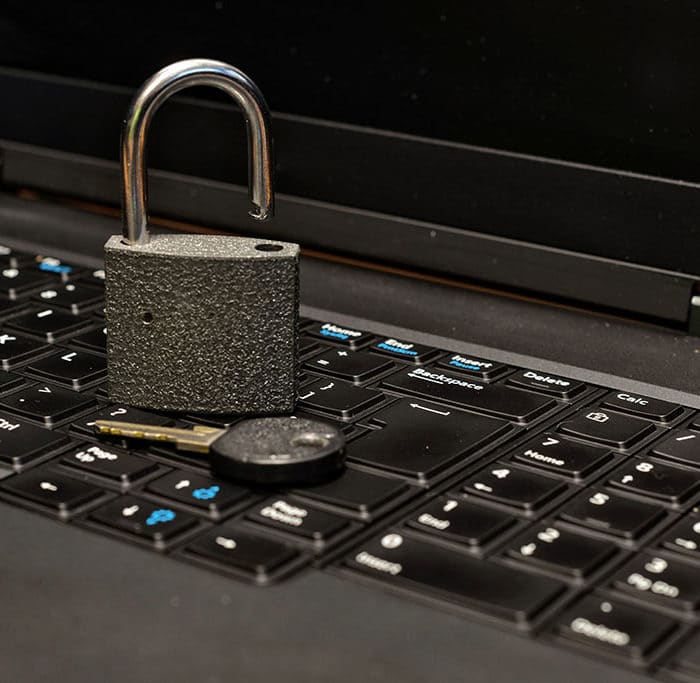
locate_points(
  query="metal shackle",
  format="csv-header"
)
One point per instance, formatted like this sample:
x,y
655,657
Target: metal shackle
x,y
146,102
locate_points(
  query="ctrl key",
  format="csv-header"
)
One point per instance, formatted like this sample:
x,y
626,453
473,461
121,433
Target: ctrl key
x,y
629,631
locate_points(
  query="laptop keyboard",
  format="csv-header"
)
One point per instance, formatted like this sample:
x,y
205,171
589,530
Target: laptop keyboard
x,y
534,502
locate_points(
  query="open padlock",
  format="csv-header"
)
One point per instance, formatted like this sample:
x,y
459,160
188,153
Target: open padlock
x,y
200,323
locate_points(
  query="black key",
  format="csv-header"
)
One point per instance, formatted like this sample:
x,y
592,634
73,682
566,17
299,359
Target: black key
x,y
668,581
15,349
8,381
546,383
419,439
664,482
512,486
206,493
610,429
74,369
94,340
611,513
339,334
86,425
499,591
15,282
473,366
22,442
642,406
682,446
10,307
47,404
93,277
360,493
243,550
307,346
74,297
460,521
684,537
687,659
47,323
51,490
297,518
143,518
338,398
555,454
213,420
108,462
497,399
560,550
54,266
598,622
410,351
355,366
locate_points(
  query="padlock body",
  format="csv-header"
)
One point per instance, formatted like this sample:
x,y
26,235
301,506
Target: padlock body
x,y
203,323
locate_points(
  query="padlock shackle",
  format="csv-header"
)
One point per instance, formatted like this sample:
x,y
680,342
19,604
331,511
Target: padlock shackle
x,y
146,102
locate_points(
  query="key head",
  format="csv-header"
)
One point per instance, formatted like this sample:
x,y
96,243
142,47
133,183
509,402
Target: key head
x,y
278,450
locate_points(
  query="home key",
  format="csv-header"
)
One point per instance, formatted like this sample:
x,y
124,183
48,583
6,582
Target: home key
x,y
267,450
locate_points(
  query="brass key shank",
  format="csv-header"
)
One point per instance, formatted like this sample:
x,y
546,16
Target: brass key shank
x,y
198,439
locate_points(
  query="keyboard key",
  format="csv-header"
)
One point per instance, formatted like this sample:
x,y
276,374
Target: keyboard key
x,y
75,297
687,659
420,439
15,282
46,404
560,550
410,351
496,399
642,406
85,426
611,513
74,369
547,384
354,366
683,446
669,582
143,518
57,492
15,349
610,429
512,486
54,266
499,591
48,323
339,334
664,482
94,277
94,340
359,493
10,307
108,462
8,381
242,550
629,631
21,442
457,520
569,458
473,366
684,537
206,493
297,518
339,399
308,346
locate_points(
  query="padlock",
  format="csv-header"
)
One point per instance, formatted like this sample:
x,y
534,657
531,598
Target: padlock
x,y
200,323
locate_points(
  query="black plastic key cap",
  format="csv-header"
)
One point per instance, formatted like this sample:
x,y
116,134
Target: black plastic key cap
x,y
498,591
85,426
471,365
408,351
684,537
457,520
16,349
654,479
609,512
340,334
48,323
21,442
462,391
75,297
354,366
112,463
51,490
512,486
15,282
74,369
143,518
93,340
8,381
45,403
546,383
614,626
560,550
338,398
682,446
642,406
419,439
687,659
11,307
611,429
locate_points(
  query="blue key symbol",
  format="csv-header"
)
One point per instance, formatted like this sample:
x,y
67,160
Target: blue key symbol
x,y
206,494
160,517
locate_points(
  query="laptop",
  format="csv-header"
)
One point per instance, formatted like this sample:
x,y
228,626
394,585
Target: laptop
x,y
496,208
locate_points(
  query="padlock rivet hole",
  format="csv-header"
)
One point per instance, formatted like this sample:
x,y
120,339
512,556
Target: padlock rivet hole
x,y
147,318
266,246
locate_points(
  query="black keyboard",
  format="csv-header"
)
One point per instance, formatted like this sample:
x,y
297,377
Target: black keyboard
x,y
534,502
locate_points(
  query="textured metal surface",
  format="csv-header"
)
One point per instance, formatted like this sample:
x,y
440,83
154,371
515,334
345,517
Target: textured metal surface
x,y
223,333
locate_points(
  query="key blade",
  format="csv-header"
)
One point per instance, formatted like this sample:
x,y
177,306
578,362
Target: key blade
x,y
195,440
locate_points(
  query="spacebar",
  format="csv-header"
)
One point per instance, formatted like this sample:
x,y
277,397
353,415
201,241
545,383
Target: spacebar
x,y
496,590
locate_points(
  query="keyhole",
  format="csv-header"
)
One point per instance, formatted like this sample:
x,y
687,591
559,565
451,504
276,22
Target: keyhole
x,y
266,246
147,318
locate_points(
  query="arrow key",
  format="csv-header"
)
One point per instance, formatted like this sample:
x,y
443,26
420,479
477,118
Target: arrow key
x,y
46,404
74,369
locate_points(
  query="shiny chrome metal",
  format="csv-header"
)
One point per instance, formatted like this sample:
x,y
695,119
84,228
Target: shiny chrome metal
x,y
146,102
